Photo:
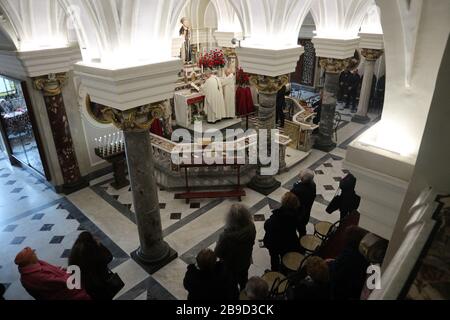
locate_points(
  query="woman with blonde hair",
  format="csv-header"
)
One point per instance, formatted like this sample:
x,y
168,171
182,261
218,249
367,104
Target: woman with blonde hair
x,y
235,245
281,230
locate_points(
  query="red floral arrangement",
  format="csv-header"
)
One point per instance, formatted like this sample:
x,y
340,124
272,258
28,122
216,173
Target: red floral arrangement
x,y
213,59
242,78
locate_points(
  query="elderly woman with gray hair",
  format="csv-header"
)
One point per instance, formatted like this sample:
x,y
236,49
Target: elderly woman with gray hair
x,y
235,245
306,192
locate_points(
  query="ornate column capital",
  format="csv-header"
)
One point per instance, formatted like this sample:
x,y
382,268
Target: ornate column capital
x,y
229,52
332,65
269,85
371,54
51,85
137,119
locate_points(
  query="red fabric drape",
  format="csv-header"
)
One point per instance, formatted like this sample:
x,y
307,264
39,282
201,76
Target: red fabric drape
x,y
244,101
157,128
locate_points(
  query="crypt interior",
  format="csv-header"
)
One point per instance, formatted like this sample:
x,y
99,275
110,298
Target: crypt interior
x,y
113,112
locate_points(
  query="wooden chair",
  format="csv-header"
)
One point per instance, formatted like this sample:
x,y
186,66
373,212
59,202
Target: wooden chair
x,y
322,229
310,243
277,284
291,262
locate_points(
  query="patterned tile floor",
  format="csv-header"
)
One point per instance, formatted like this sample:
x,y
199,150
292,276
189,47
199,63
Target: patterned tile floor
x,y
31,214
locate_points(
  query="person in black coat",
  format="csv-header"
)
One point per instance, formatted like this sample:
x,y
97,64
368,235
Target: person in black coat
x,y
235,245
316,286
353,85
92,257
281,104
306,192
349,270
209,280
348,201
281,235
343,84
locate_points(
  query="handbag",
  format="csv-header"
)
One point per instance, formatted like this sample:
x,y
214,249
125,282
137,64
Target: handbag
x,y
334,204
113,284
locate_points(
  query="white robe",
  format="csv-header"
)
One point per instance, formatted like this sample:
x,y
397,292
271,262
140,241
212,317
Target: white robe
x,y
214,101
229,92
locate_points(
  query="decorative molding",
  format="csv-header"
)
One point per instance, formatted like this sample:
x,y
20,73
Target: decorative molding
x,y
371,54
137,119
371,41
331,65
224,38
43,62
11,66
129,88
335,48
269,85
269,62
229,52
50,85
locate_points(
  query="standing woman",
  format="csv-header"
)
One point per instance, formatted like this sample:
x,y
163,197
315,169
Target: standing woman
x,y
235,245
281,230
93,258
348,201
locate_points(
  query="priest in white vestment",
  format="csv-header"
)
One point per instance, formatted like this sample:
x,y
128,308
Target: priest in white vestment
x,y
214,101
229,92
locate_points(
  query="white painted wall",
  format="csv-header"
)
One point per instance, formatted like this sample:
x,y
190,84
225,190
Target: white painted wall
x,y
407,103
433,163
409,92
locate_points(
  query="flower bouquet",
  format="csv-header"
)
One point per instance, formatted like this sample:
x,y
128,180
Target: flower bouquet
x,y
214,59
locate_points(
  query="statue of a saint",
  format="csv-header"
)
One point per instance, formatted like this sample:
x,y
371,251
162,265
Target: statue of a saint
x,y
186,33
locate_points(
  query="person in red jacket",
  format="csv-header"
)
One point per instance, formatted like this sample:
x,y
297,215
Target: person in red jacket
x,y
44,281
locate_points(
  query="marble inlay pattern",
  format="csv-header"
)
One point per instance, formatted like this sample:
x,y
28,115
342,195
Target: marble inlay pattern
x,y
51,230
50,223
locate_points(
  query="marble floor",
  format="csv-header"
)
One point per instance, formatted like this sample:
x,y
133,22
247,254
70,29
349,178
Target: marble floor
x,y
31,214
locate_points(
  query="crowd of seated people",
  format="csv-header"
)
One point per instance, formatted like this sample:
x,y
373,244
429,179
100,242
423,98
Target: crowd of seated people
x,y
223,274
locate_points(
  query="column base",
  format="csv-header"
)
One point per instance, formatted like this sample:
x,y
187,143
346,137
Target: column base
x,y
68,189
120,185
360,119
325,144
265,185
154,266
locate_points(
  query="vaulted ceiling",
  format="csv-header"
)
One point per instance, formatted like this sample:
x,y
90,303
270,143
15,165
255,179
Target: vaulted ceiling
x,y
113,31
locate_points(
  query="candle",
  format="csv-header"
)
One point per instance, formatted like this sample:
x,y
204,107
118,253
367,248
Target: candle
x,y
198,40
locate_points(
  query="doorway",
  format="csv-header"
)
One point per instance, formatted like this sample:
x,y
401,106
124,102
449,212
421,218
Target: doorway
x,y
18,126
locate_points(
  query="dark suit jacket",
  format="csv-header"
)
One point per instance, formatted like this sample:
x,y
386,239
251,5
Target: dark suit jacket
x,y
306,194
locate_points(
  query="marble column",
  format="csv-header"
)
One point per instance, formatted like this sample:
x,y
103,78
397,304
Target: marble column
x,y
153,253
371,56
51,87
333,69
268,88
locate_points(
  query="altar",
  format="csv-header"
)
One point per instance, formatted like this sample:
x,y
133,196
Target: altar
x,y
189,106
